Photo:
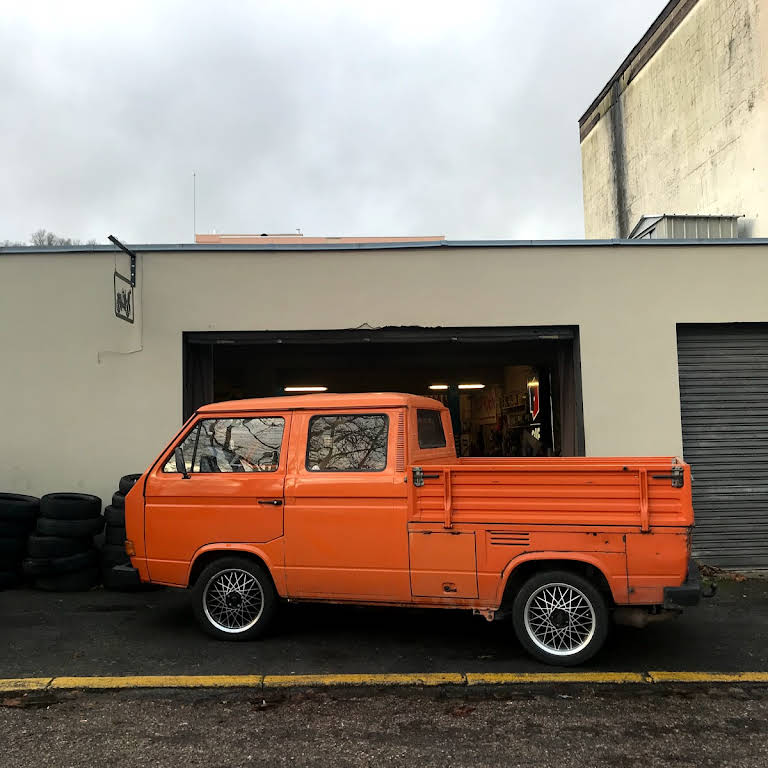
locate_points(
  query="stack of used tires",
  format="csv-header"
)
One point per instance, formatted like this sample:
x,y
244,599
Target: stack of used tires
x,y
18,514
61,553
113,551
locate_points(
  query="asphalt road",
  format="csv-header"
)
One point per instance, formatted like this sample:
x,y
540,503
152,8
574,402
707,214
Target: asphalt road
x,y
635,726
107,633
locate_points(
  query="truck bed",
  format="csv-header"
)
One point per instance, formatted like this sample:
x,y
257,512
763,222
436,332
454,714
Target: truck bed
x,y
625,492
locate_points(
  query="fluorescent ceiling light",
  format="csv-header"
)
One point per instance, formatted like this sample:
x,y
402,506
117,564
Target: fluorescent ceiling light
x,y
471,386
438,386
305,389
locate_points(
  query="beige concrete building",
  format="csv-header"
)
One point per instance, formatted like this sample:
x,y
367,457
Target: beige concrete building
x,y
611,336
681,126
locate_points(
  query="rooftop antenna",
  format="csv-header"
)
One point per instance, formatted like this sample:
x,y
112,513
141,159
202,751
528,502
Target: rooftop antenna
x,y
194,205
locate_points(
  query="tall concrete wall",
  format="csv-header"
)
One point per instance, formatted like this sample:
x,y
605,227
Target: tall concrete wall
x,y
687,134
76,417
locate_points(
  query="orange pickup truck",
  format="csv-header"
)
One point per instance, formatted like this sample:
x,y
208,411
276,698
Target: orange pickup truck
x,y
361,499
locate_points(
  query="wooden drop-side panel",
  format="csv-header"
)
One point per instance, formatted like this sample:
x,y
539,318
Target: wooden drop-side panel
x,y
552,491
443,564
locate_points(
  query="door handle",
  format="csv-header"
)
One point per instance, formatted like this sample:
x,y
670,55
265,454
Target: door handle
x,y
273,502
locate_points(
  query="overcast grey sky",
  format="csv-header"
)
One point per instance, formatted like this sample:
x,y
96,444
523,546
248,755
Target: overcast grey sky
x,y
342,117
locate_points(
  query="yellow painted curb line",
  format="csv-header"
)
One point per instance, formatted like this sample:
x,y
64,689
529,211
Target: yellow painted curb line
x,y
514,678
297,681
24,683
159,681
28,684
708,677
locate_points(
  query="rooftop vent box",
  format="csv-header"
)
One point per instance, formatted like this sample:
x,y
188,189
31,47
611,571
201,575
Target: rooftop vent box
x,y
673,227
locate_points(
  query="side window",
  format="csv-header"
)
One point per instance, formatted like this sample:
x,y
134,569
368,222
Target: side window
x,y
233,445
187,448
429,426
348,443
239,445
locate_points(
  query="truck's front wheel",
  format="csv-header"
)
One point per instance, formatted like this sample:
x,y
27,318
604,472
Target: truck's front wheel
x,y
560,618
234,599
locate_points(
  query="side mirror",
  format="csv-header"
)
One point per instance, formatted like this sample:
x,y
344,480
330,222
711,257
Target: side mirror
x,y
181,465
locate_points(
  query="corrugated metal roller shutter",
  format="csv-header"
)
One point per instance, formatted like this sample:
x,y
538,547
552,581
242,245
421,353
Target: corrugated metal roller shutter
x,y
724,401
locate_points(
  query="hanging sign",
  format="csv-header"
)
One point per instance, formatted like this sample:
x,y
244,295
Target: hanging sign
x,y
124,285
123,298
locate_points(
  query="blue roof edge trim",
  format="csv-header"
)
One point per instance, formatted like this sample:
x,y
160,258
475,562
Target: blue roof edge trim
x,y
202,247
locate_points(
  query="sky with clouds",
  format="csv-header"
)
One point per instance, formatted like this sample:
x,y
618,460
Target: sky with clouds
x,y
338,117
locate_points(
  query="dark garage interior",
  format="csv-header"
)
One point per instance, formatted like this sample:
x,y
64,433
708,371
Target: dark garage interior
x,y
511,391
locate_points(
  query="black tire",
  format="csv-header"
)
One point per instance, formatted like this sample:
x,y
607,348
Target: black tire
x,y
118,500
268,603
114,534
127,482
70,529
9,579
11,562
19,508
113,554
55,546
80,581
12,549
114,516
18,529
70,506
586,642
50,566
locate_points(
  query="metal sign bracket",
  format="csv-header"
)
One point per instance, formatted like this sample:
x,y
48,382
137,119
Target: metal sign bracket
x,y
132,254
123,286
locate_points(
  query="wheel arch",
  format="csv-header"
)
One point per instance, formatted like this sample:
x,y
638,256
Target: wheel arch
x,y
519,570
207,554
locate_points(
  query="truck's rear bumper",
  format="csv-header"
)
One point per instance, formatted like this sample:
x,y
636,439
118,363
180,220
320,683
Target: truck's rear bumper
x,y
688,593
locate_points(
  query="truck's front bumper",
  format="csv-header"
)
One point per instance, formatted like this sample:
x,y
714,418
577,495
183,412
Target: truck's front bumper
x,y
124,577
688,593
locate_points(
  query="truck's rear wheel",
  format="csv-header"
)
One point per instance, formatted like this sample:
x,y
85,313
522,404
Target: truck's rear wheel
x,y
560,618
234,599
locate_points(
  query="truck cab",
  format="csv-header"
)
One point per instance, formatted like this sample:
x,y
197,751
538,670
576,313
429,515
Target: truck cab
x,y
361,499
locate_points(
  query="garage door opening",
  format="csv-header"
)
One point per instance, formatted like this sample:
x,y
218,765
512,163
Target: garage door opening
x,y
511,391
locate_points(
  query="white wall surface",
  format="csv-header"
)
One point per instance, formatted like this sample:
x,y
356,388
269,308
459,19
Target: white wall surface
x,y
75,418
695,124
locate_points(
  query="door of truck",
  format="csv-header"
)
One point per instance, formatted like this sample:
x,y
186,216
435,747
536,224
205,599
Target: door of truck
x,y
232,491
443,558
346,506
443,563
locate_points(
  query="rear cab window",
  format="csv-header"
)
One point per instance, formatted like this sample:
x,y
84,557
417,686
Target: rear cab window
x,y
429,427
430,436
347,442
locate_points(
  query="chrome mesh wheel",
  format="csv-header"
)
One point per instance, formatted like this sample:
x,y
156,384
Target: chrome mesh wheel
x,y
560,619
233,600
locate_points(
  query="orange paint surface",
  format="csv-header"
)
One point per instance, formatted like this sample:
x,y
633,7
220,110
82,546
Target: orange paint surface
x,y
369,536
